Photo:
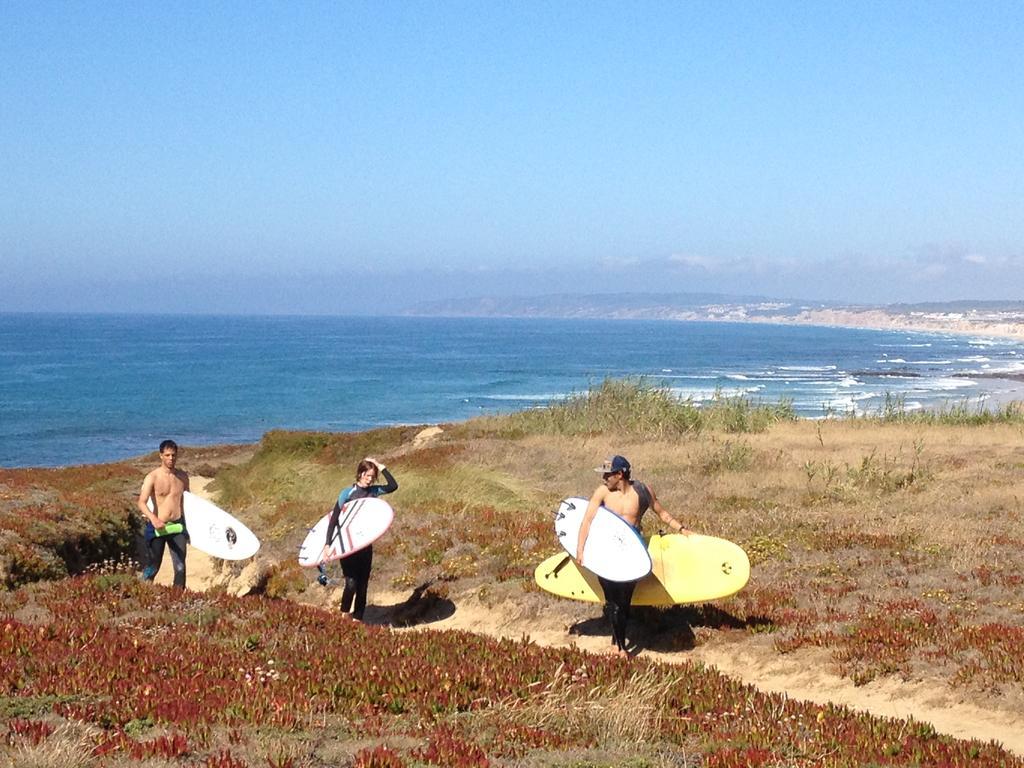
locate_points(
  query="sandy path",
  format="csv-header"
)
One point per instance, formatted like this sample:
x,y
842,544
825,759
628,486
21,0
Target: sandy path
x,y
199,568
799,676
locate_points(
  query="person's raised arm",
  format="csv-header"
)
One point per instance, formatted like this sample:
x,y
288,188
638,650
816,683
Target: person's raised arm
x,y
390,484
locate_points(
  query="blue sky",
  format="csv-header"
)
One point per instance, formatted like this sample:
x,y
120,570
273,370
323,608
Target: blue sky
x,y
358,157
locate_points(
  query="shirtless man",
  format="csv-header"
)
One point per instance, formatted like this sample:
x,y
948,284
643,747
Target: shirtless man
x,y
629,499
165,486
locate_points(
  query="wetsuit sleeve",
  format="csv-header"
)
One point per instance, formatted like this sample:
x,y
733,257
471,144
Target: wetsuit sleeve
x,y
645,497
332,524
390,485
644,493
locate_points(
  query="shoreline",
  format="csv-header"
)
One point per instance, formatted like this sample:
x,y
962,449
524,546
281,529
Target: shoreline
x,y
1003,319
988,376
206,453
881,320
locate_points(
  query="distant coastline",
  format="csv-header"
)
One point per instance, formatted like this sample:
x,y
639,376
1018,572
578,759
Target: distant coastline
x,y
998,319
1001,324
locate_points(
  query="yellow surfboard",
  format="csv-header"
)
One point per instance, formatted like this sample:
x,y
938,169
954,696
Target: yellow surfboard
x,y
687,569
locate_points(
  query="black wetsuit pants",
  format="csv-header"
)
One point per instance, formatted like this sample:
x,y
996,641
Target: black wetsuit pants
x,y
356,568
178,544
618,596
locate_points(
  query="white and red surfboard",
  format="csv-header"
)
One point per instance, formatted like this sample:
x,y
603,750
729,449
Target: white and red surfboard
x,y
360,523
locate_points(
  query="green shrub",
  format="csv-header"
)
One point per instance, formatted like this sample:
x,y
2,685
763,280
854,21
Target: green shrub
x,y
634,406
893,410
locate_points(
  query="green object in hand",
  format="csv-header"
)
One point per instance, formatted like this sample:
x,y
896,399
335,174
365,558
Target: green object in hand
x,y
170,529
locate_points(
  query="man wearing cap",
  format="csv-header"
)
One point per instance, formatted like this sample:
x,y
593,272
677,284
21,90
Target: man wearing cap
x,y
629,499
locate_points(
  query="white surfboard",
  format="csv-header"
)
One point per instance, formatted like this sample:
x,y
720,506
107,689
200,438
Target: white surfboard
x,y
614,548
360,523
215,532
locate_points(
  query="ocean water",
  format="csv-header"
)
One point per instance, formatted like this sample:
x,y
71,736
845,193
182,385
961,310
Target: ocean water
x,y
78,389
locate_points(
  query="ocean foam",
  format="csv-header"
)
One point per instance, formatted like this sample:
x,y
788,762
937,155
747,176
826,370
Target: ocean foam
x,y
696,376
946,384
708,395
525,398
1007,367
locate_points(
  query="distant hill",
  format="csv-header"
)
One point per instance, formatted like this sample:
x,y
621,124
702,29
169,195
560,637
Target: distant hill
x,y
668,306
959,306
999,318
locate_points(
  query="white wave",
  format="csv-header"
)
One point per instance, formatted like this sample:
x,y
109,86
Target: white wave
x,y
807,367
705,395
850,381
930,362
753,372
840,404
877,405
527,398
945,385
695,376
1007,367
737,377
788,380
894,360
973,359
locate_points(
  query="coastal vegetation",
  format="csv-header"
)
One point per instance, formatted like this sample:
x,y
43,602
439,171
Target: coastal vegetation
x,y
894,409
635,408
115,672
887,547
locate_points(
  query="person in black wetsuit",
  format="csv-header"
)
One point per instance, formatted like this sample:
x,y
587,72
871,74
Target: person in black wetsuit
x,y
629,499
356,567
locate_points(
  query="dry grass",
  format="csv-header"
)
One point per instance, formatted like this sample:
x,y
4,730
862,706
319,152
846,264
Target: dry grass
x,y
69,746
842,519
626,712
810,501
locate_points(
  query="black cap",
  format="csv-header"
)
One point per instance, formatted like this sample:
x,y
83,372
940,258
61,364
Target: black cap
x,y
614,464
